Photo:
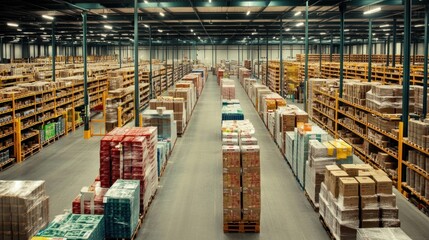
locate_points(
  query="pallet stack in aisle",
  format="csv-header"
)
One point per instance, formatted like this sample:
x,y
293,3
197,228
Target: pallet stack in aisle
x,y
355,196
90,200
381,234
241,178
232,111
74,226
25,209
227,89
177,105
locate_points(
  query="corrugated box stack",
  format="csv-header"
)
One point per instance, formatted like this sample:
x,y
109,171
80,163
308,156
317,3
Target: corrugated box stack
x,y
417,180
90,200
356,196
231,183
381,234
418,132
251,180
185,91
74,226
243,73
164,121
302,137
24,209
196,79
418,98
286,119
122,209
227,89
178,105
248,82
232,111
387,99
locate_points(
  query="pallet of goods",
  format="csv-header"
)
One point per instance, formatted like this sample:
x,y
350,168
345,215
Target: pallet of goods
x,y
381,234
177,105
25,209
227,87
354,196
74,226
241,181
90,200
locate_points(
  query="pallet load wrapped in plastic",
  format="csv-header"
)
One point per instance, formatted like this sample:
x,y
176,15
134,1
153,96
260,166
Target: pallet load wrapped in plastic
x,y
227,90
302,137
122,209
164,121
232,112
388,99
356,196
24,209
248,82
381,234
253,93
74,226
231,183
289,146
251,180
243,73
177,105
242,127
90,200
163,149
197,80
185,95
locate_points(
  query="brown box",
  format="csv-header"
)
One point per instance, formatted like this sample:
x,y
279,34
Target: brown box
x,y
351,169
369,213
231,177
348,202
251,198
328,170
301,116
387,200
366,186
231,214
371,223
383,184
389,213
252,214
370,201
334,178
231,198
250,156
348,186
231,156
251,178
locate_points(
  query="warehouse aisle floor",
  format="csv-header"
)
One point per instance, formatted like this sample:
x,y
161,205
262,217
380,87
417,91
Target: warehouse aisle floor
x,y
188,204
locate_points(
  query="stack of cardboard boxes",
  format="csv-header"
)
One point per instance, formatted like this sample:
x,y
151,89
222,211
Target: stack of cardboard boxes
x,y
90,200
381,234
417,180
387,99
418,132
356,196
24,209
177,105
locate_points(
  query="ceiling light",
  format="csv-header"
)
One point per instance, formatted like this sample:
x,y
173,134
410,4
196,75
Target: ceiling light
x,y
42,29
299,24
254,33
373,34
210,1
274,37
162,14
195,34
159,30
108,27
248,12
419,25
346,30
77,37
374,10
12,24
146,26
102,38
385,25
192,30
297,13
387,34
48,17
287,29
104,35
199,38
19,30
145,1
322,33
104,16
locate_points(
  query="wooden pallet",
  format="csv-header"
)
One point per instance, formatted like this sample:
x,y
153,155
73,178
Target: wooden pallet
x,y
328,231
136,231
315,206
6,164
241,227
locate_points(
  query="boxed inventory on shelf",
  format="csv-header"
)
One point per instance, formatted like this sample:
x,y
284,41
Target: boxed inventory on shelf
x,y
248,82
177,105
253,92
74,226
25,209
354,196
197,80
387,99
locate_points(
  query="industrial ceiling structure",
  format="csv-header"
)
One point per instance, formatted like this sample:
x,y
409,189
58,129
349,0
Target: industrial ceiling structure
x,y
203,21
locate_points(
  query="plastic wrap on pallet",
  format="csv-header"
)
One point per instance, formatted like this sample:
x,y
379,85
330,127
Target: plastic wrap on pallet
x,y
229,135
24,209
248,141
243,127
90,200
381,234
122,208
163,120
74,226
232,112
230,142
162,151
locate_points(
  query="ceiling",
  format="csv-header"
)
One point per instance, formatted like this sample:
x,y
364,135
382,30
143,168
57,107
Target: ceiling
x,y
201,21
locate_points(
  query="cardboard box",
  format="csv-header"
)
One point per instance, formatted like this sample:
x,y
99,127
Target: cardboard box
x,y
250,156
370,201
231,177
251,214
351,169
366,186
369,213
383,184
387,200
251,198
231,214
334,179
231,198
371,223
348,186
348,202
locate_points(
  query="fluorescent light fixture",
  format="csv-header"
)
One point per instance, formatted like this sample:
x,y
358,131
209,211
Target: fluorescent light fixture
x,y
192,30
145,1
387,34
10,24
297,13
132,40
159,30
199,38
248,12
374,10
104,35
373,34
102,38
104,16
210,1
287,29
146,26
254,33
346,30
19,30
42,29
322,33
77,37
195,34
274,37
108,27
384,25
299,24
47,17
419,25
162,14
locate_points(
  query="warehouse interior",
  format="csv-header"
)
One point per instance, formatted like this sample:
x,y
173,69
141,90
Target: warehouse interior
x,y
357,70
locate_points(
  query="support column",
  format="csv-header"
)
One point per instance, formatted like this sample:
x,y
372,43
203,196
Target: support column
x,y
425,63
306,57
406,69
388,51
370,50
266,64
120,51
342,14
320,53
54,51
238,55
1,49
86,131
281,60
259,57
150,64
136,67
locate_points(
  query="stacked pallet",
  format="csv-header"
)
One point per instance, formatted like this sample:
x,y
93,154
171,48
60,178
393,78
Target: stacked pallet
x,y
177,105
25,209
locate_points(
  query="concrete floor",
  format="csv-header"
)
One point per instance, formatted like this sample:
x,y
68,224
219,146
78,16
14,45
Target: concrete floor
x,y
189,201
